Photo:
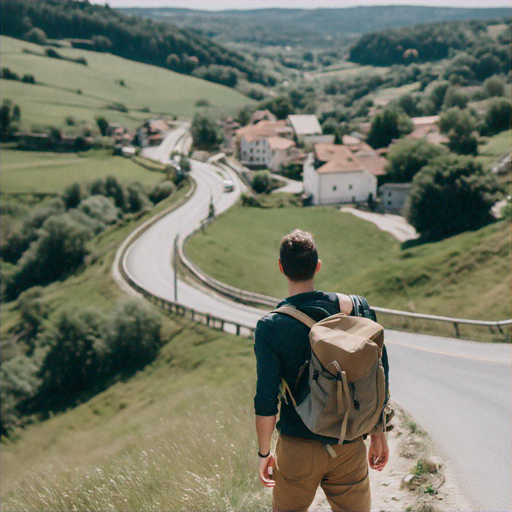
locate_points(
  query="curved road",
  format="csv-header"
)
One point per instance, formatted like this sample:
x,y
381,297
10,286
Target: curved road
x,y
459,391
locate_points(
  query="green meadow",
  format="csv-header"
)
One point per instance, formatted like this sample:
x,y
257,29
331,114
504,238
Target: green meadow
x,y
452,277
84,92
29,172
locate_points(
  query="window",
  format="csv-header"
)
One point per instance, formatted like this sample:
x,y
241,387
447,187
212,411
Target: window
x,y
350,187
389,203
334,188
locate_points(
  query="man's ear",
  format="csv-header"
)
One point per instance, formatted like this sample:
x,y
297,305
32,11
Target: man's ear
x,y
280,266
318,266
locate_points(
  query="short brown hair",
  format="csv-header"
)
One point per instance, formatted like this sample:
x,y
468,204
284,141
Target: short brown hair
x,y
298,255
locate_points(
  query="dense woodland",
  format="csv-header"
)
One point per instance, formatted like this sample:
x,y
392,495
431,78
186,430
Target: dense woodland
x,y
101,28
435,41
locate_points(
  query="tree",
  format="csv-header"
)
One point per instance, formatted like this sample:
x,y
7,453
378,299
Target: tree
x,y
37,36
450,195
74,356
493,86
460,126
205,132
72,195
5,116
102,125
408,156
390,124
499,116
454,97
134,335
261,182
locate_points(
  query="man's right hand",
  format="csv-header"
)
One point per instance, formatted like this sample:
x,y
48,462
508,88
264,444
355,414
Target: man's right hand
x,y
264,473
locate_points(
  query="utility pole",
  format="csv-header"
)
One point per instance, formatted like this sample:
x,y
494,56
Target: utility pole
x,y
175,267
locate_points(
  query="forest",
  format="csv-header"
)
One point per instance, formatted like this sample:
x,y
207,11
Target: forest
x,y
101,28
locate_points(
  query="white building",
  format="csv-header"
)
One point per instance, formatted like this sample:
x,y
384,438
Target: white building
x,y
307,129
262,144
333,174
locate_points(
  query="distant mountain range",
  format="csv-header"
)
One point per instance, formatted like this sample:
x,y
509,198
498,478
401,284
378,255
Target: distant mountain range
x,y
307,27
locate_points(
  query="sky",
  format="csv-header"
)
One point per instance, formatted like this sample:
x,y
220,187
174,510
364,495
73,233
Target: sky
x,y
301,4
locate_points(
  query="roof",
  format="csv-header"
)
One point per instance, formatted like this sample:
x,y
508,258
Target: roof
x,y
305,124
158,125
336,159
349,140
262,130
429,132
280,143
371,160
260,115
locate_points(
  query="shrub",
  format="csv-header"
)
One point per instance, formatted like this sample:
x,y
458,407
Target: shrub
x,y
20,240
454,97
499,116
57,252
34,310
102,125
136,198
493,86
116,191
261,182
18,384
75,351
450,195
72,195
100,208
37,36
161,191
134,335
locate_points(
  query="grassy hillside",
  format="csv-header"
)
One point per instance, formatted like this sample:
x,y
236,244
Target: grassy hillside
x,y
240,248
146,87
43,172
179,435
453,277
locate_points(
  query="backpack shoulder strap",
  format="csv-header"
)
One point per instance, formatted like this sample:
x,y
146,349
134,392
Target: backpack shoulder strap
x,y
295,313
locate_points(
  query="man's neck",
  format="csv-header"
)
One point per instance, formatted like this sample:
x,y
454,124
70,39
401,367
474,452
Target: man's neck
x,y
294,287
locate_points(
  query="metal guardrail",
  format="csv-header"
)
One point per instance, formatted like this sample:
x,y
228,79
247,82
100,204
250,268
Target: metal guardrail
x,y
248,297
167,305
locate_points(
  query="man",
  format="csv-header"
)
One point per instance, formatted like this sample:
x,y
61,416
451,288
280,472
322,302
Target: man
x,y
302,462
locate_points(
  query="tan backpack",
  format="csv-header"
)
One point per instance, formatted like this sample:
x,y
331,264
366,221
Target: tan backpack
x,y
347,386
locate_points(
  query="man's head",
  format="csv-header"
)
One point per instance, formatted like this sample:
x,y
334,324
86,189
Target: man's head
x,y
298,256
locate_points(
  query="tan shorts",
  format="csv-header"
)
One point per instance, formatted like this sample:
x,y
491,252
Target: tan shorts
x,y
303,464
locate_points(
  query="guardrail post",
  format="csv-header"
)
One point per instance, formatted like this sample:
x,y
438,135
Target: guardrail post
x,y
238,329
207,319
456,325
192,314
222,325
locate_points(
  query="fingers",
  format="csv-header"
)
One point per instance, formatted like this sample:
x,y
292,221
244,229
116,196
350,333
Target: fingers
x,y
265,472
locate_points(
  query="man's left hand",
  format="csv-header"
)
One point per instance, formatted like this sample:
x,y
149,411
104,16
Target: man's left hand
x,y
378,453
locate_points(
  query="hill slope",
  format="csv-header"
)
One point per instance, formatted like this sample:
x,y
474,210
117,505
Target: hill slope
x,y
453,277
103,29
306,27
84,92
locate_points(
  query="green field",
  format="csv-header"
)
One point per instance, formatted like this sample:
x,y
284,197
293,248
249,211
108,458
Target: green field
x,y
493,149
241,247
146,87
43,172
453,277
384,96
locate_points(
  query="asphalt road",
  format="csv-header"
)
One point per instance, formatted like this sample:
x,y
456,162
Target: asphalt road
x,y
459,391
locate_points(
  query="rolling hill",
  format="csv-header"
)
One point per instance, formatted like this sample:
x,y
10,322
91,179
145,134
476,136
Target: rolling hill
x,y
319,28
65,88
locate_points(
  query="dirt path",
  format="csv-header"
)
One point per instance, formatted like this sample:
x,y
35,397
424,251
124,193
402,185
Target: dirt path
x,y
431,492
394,224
